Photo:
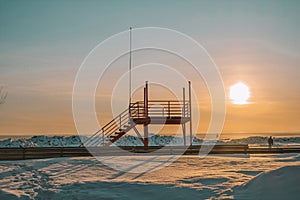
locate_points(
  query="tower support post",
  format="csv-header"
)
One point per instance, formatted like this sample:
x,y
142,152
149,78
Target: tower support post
x,y
146,133
190,111
183,114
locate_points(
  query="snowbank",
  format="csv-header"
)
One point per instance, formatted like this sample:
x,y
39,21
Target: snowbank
x,y
264,140
42,141
282,183
155,140
4,195
187,178
121,190
128,140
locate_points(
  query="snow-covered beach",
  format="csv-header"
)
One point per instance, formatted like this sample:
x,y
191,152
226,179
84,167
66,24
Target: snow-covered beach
x,y
190,177
235,176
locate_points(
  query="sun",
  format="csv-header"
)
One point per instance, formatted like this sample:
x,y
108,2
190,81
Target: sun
x,y
239,93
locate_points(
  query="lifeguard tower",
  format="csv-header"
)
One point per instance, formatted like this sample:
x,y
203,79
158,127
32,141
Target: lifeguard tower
x,y
145,113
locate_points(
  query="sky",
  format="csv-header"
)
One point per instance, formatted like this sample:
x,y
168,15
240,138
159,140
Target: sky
x,y
43,43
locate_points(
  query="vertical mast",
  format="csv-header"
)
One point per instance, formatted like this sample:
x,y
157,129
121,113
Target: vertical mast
x,y
130,46
183,114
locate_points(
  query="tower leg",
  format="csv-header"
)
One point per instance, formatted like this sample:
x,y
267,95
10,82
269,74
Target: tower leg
x,y
190,110
191,133
183,113
146,135
184,134
146,115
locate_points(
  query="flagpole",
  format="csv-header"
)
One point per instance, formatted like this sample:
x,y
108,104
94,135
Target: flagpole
x,y
130,82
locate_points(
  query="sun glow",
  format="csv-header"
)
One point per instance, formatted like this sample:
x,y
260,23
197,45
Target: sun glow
x,y
239,93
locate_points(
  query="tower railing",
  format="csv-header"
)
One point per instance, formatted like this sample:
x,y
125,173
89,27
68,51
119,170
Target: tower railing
x,y
160,108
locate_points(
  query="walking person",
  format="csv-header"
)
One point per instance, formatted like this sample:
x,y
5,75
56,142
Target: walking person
x,y
270,142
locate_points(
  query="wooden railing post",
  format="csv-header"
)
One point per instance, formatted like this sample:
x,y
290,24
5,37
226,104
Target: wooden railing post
x,y
144,114
169,112
103,136
183,106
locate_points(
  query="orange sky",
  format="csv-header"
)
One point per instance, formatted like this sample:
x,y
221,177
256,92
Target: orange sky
x,y
45,106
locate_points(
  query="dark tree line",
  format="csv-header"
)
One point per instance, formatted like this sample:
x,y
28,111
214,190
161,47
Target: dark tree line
x,y
3,95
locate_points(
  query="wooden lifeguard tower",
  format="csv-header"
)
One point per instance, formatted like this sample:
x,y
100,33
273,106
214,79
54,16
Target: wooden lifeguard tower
x,y
145,113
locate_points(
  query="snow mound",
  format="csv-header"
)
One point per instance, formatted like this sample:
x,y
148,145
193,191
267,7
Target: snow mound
x,y
250,140
155,140
264,140
43,141
161,140
282,183
121,190
129,140
4,195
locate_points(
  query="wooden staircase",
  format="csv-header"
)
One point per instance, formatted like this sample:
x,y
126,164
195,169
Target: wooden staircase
x,y
112,131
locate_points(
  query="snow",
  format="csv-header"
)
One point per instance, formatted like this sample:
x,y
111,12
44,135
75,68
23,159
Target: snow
x,y
282,183
5,195
43,141
190,177
264,140
226,176
128,140
119,190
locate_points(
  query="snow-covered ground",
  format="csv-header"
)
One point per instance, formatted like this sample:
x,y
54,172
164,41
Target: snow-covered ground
x,y
128,140
189,177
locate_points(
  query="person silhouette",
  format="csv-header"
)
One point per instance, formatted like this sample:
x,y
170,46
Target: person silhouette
x,y
270,142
